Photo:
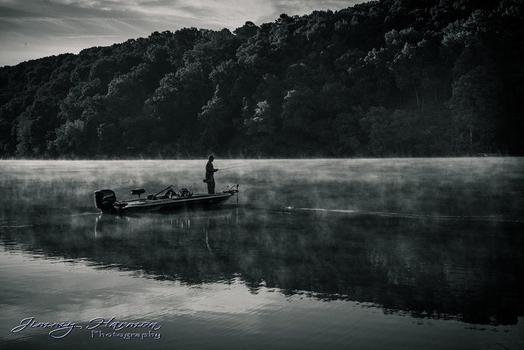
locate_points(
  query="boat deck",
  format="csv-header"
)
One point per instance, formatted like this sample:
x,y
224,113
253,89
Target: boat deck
x,y
144,204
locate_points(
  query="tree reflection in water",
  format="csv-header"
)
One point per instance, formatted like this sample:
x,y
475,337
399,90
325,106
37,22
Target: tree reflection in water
x,y
422,267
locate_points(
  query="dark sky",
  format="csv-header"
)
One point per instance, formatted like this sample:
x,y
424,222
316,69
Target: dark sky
x,y
37,28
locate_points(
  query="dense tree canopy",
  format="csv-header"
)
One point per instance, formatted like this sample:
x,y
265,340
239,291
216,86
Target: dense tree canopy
x,y
384,78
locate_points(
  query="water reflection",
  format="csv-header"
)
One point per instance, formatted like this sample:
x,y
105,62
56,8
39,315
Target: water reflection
x,y
319,253
422,267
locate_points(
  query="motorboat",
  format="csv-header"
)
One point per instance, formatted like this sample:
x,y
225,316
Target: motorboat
x,y
165,200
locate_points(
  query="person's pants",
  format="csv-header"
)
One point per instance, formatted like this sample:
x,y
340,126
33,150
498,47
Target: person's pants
x,y
211,187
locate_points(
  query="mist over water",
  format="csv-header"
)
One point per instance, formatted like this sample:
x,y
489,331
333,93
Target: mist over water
x,y
370,252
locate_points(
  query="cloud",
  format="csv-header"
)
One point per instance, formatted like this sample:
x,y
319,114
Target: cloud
x,y
36,28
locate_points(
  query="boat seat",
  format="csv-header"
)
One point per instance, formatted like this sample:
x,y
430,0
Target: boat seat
x,y
138,192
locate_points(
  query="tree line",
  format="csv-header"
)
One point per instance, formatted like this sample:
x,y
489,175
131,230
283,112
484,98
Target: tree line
x,y
383,78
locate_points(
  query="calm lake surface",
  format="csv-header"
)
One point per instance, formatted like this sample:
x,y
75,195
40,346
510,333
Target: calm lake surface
x,y
331,254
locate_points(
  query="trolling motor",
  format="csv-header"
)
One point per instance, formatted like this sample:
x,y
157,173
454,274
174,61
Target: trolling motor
x,y
232,189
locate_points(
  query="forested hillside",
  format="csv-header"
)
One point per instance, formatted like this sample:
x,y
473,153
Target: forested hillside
x,y
384,78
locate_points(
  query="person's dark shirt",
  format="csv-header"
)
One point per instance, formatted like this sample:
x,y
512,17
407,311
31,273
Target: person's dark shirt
x,y
210,170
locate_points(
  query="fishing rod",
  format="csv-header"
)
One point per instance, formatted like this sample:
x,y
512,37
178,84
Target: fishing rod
x,y
165,189
229,167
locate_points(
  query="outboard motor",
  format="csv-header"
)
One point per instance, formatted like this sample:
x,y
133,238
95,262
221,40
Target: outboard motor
x,y
104,200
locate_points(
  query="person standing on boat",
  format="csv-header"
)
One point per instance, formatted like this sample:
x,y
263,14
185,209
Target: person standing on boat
x,y
210,179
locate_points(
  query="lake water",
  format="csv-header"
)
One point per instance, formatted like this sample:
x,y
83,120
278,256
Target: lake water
x,y
332,254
